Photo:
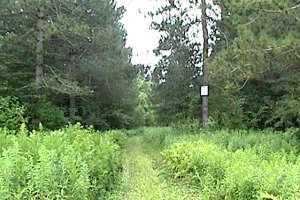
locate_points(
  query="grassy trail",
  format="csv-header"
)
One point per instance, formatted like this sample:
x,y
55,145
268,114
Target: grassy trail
x,y
141,178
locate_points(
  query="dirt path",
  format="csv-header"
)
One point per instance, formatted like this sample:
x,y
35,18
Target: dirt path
x,y
141,178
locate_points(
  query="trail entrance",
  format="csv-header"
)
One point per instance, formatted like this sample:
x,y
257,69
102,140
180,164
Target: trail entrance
x,y
142,179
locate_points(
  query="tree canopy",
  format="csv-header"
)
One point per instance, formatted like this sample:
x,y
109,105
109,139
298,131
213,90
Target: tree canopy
x,y
253,62
67,61
82,57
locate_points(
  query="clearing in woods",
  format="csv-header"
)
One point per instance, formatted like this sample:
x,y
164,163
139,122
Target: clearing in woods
x,y
142,179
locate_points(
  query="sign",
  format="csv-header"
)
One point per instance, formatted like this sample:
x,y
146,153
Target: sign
x,y
204,90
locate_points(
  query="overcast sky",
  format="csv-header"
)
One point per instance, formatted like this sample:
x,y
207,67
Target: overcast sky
x,y
140,37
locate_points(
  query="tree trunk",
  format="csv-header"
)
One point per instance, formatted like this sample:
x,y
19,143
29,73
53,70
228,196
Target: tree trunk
x,y
39,46
72,96
204,111
72,105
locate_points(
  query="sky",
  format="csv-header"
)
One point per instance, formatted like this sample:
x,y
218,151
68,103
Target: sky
x,y
140,37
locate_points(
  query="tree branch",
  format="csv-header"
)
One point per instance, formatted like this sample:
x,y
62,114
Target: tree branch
x,y
276,11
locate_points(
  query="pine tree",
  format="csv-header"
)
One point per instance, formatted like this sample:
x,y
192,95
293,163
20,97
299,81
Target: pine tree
x,y
257,60
83,65
181,50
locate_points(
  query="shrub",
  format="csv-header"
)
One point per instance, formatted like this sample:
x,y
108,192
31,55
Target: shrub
x,y
250,173
156,137
117,136
199,162
51,116
190,126
72,163
262,141
11,113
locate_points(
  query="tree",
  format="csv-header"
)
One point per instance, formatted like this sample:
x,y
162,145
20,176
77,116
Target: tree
x,y
204,63
79,59
182,54
39,45
257,60
254,59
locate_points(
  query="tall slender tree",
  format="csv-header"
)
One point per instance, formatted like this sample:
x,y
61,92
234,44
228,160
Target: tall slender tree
x,y
204,63
76,51
256,60
182,51
39,74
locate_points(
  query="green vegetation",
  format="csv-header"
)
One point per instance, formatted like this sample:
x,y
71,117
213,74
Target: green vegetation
x,y
242,174
64,63
254,63
142,175
11,113
149,163
67,61
71,163
61,59
230,164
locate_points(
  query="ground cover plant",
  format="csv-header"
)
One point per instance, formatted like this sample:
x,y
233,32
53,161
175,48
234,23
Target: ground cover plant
x,y
71,163
236,164
149,163
142,177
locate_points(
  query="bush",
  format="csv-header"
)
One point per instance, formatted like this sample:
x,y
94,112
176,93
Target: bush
x,y
11,113
198,162
234,175
117,136
190,126
262,141
73,163
51,116
156,137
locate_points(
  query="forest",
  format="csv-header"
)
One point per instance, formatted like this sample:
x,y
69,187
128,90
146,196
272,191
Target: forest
x,y
78,120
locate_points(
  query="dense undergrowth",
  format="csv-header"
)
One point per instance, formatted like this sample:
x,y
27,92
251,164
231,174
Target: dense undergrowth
x,y
72,163
80,163
232,164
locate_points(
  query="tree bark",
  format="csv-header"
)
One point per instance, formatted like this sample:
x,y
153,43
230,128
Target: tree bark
x,y
39,46
72,105
72,95
204,108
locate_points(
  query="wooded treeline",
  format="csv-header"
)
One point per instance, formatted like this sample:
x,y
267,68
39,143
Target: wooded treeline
x,y
66,61
254,63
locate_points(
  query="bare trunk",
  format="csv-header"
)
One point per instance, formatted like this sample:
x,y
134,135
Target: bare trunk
x,y
204,111
72,96
39,80
72,105
39,46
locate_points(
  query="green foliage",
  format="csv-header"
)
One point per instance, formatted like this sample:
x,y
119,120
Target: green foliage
x,y
156,136
51,116
176,76
193,161
237,164
12,114
256,61
117,136
84,54
187,126
72,163
145,113
261,141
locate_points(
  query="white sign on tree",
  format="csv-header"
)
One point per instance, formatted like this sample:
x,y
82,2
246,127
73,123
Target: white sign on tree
x,y
204,90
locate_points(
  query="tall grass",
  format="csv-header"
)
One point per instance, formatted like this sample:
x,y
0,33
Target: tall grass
x,y
231,164
72,163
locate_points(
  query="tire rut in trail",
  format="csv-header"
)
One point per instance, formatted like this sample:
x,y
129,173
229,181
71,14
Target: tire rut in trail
x,y
141,180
